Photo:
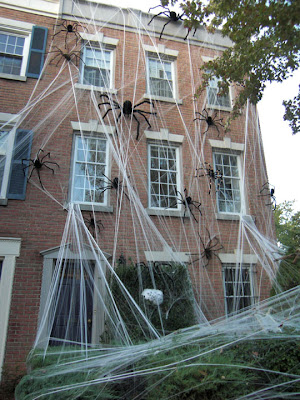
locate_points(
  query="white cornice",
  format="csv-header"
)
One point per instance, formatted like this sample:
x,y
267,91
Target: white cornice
x,y
48,8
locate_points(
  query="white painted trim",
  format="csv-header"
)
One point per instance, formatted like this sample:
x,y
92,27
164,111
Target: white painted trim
x,y
12,25
238,257
166,255
164,134
92,126
99,38
226,143
9,250
161,49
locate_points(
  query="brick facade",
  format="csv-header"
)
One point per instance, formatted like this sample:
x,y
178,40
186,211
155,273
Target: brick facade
x,y
39,220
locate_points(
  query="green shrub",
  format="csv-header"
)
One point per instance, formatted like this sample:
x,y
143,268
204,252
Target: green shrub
x,y
177,309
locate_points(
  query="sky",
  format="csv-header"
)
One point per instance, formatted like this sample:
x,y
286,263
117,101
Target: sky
x,y
282,149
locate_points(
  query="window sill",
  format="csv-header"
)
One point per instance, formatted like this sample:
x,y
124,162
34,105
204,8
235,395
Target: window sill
x,y
160,98
13,77
166,212
234,217
95,88
219,108
92,207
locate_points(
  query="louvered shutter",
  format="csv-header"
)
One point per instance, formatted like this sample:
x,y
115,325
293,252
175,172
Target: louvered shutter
x,y
36,51
18,175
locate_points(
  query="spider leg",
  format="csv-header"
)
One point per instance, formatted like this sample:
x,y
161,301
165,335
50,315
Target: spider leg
x,y
164,28
193,214
138,126
46,166
50,162
38,172
110,109
30,172
154,16
47,155
145,101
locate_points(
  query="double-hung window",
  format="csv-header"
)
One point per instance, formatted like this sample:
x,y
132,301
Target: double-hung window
x,y
97,66
160,77
213,97
11,53
163,176
22,49
239,287
229,199
89,165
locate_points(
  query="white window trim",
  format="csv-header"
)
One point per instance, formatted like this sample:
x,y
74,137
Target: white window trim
x,y
98,40
50,256
247,260
7,122
9,251
206,59
159,52
223,146
167,255
164,138
93,127
23,29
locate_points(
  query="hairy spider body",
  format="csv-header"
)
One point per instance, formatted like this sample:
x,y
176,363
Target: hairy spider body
x,y
213,175
128,110
188,202
69,28
37,164
114,184
63,55
269,191
210,120
93,225
172,15
209,249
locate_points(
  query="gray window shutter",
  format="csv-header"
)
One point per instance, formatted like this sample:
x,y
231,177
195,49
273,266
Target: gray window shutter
x,y
36,51
18,175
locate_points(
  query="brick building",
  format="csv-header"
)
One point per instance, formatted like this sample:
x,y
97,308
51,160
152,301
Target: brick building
x,y
53,79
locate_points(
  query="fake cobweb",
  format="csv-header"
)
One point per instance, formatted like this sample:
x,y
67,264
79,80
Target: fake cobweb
x,y
132,306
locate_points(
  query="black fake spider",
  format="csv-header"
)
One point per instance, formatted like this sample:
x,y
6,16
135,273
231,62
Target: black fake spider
x,y
209,249
114,184
127,110
93,225
172,15
38,163
214,175
269,190
68,27
188,202
64,55
210,120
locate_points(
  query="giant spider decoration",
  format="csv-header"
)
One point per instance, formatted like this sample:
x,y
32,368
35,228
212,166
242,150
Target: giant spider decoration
x,y
210,120
64,55
172,15
68,27
114,184
214,175
269,190
127,110
209,249
38,163
188,202
93,225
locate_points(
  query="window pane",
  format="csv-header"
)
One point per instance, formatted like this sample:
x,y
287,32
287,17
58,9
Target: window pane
x,y
228,195
97,67
89,166
160,78
238,288
163,177
213,97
